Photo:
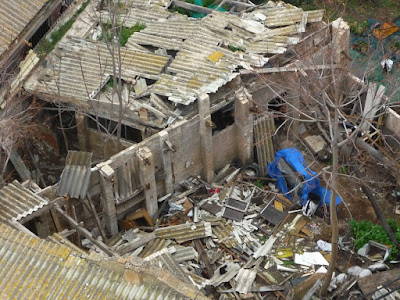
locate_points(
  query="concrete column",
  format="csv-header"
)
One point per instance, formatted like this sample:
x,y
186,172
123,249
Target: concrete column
x,y
108,203
166,149
244,124
148,179
207,156
81,128
340,40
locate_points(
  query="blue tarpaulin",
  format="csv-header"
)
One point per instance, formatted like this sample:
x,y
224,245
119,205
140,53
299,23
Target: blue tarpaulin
x,y
311,183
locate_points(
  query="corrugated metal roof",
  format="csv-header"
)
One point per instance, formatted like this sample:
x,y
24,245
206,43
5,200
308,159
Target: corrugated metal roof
x,y
31,268
244,280
17,202
76,174
185,232
15,15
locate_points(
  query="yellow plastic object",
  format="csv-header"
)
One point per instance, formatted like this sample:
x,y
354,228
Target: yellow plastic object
x,y
284,253
387,28
216,56
278,205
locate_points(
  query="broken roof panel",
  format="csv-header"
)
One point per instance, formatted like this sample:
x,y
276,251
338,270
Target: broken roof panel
x,y
76,175
32,268
17,202
185,232
154,246
15,15
78,69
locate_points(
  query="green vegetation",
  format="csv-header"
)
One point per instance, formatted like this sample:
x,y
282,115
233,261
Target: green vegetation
x,y
234,48
365,231
45,46
358,28
124,34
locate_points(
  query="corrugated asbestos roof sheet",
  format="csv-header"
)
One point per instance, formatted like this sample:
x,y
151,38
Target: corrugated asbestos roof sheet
x,y
31,268
209,51
185,232
244,280
17,202
164,260
15,15
78,69
154,246
76,175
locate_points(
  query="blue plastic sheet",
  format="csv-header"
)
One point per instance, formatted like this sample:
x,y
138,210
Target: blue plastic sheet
x,y
311,183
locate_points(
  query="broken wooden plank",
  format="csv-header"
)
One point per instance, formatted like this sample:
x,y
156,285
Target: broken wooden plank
x,y
85,232
288,69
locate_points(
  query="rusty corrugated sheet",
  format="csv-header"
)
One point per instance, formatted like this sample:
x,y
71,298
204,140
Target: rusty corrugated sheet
x,y
76,174
17,202
185,232
32,268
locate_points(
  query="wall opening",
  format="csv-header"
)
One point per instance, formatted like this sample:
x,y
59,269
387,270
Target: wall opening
x,y
223,118
110,127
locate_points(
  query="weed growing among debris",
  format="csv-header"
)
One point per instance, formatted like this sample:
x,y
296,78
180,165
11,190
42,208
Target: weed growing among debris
x,y
366,231
45,46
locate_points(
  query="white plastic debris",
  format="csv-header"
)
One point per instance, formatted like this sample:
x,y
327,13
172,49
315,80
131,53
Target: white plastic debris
x,y
286,269
336,281
321,270
378,267
358,272
324,246
310,258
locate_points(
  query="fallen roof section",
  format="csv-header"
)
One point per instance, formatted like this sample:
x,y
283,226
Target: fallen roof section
x,y
32,268
17,202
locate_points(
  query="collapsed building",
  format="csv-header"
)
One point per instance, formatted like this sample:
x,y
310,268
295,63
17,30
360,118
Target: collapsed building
x,y
191,97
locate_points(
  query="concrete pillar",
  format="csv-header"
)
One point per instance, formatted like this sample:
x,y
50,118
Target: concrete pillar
x,y
340,41
108,203
81,128
244,124
148,179
167,162
207,156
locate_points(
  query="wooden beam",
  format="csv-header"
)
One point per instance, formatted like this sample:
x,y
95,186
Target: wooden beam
x,y
288,69
92,209
85,232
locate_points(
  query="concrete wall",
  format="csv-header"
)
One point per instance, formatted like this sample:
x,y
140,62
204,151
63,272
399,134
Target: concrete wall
x,y
225,146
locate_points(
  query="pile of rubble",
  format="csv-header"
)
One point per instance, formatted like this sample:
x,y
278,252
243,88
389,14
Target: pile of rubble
x,y
235,239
